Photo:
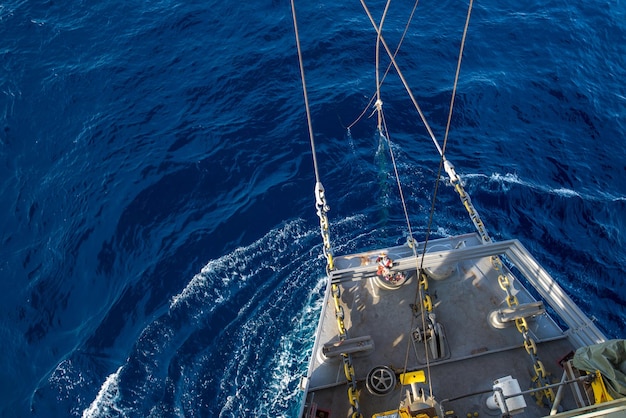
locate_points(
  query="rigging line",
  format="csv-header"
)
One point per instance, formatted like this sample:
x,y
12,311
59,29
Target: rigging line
x,y
379,102
445,141
406,86
441,151
306,98
419,295
456,76
395,170
364,110
419,290
406,29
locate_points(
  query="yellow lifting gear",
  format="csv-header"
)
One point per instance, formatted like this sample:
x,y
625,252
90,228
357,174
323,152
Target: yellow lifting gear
x,y
401,413
407,378
417,376
600,393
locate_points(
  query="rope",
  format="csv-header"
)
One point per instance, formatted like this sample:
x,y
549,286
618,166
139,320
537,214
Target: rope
x,y
406,29
406,86
421,293
379,102
397,175
320,197
447,166
456,76
381,117
306,97
322,208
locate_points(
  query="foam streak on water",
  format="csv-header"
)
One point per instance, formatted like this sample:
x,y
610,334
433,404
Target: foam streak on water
x,y
229,295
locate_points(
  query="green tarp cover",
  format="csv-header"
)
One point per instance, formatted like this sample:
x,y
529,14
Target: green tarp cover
x,y
610,359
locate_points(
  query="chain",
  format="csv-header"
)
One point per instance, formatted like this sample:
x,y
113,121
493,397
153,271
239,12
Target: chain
x,y
467,202
348,369
427,303
540,379
322,208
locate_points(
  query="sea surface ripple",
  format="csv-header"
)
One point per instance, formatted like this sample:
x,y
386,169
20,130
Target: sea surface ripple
x,y
160,250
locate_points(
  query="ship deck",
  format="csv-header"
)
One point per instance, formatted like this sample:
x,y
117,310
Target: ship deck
x,y
465,294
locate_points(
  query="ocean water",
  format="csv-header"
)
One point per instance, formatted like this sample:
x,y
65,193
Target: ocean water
x,y
160,251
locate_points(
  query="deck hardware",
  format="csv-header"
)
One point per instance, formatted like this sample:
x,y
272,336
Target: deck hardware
x,y
517,314
541,377
348,346
504,396
434,335
381,380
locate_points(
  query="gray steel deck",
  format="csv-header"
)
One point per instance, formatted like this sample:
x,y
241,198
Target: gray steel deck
x,y
478,353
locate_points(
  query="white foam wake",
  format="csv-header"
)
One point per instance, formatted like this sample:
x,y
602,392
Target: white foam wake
x,y
217,283
105,403
507,180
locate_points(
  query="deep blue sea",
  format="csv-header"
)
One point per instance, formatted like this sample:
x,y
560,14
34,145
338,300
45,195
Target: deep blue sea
x,y
160,253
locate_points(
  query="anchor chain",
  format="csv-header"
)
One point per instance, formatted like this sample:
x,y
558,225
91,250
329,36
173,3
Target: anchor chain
x,y
540,379
467,202
348,369
427,303
322,208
